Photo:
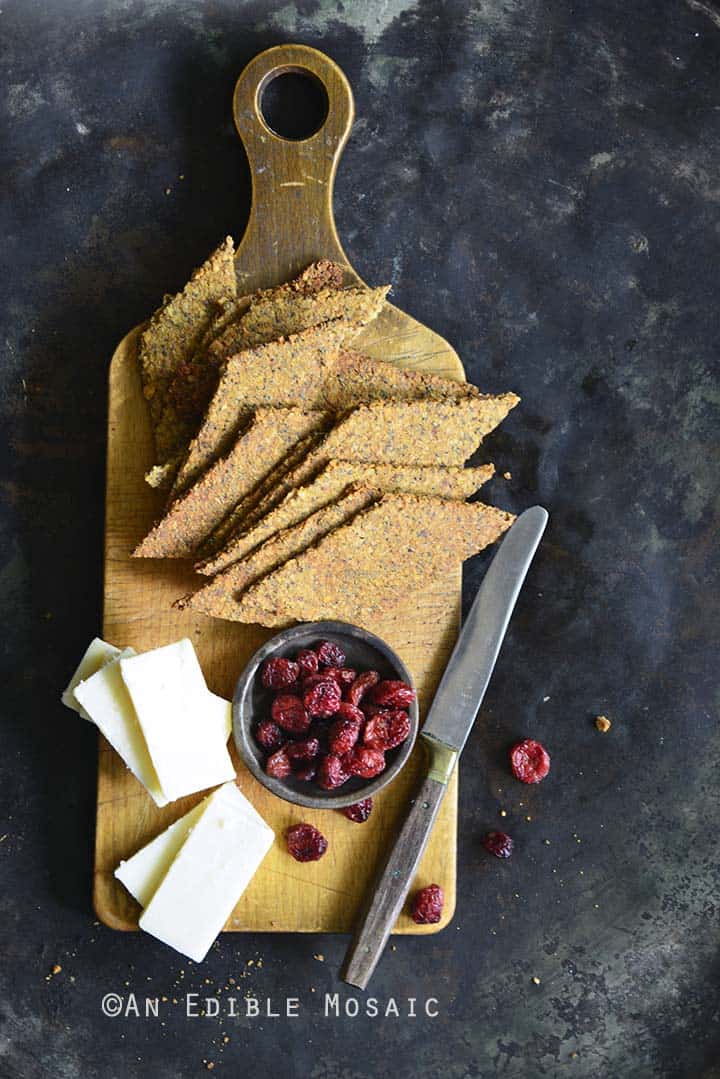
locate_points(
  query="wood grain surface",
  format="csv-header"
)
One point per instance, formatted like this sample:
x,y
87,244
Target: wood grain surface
x,y
291,224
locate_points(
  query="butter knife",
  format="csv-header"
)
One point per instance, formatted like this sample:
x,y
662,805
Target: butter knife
x,y
444,735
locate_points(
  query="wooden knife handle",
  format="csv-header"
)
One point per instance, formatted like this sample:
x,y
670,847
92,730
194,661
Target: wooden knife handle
x,y
291,220
393,883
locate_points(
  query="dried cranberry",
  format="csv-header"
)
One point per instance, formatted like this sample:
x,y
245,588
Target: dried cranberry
x,y
349,711
305,750
361,685
278,765
305,843
360,811
344,676
278,673
289,713
269,735
330,654
428,905
369,709
393,694
322,699
364,762
315,679
331,773
342,736
307,661
499,843
307,773
386,730
530,761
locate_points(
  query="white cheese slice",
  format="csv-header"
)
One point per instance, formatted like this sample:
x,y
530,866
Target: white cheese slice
x,y
141,874
168,690
107,702
219,712
97,654
208,875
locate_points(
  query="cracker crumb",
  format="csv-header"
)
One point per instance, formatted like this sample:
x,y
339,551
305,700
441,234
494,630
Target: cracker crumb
x,y
56,969
535,980
320,957
603,724
503,812
507,475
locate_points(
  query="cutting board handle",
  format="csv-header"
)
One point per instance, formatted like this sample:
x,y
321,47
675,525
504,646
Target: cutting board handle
x,y
291,219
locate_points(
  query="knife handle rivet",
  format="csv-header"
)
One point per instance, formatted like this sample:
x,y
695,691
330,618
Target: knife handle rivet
x,y
396,872
426,805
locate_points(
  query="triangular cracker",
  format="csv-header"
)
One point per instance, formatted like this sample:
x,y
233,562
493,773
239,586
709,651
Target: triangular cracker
x,y
421,432
177,327
265,441
219,597
329,485
381,557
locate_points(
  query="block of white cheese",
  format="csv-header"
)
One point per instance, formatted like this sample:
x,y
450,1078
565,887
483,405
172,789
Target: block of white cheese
x,y
108,704
141,874
208,874
168,691
97,654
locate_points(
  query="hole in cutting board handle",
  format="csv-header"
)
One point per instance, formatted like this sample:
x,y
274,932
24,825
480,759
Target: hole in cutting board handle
x,y
293,103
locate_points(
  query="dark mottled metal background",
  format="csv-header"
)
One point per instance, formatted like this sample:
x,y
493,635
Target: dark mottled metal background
x,y
539,181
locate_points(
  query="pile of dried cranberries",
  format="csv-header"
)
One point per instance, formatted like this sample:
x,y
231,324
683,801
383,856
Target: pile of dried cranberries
x,y
328,722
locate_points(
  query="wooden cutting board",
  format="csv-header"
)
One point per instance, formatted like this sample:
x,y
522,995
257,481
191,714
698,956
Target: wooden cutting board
x,y
291,225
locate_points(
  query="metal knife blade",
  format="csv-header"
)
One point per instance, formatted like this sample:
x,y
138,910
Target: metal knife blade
x,y
460,693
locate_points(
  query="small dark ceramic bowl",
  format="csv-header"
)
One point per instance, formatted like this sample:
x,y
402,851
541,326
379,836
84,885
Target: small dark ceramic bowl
x,y
251,703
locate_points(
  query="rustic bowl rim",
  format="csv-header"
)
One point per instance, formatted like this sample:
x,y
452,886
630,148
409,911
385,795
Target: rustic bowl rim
x,y
242,712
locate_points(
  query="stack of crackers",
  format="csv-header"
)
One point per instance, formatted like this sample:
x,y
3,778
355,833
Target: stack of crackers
x,y
304,479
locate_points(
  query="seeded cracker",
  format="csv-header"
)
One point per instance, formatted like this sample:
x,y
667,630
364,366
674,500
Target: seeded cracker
x,y
386,432
276,373
330,483
177,327
219,597
245,323
352,379
217,537
383,556
264,442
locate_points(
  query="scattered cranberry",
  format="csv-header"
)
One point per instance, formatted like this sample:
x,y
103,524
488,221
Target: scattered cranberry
x,y
307,661
361,685
428,905
393,694
342,736
278,765
330,654
360,811
322,699
269,735
305,843
385,730
499,844
289,713
366,763
530,761
331,773
278,673
305,750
